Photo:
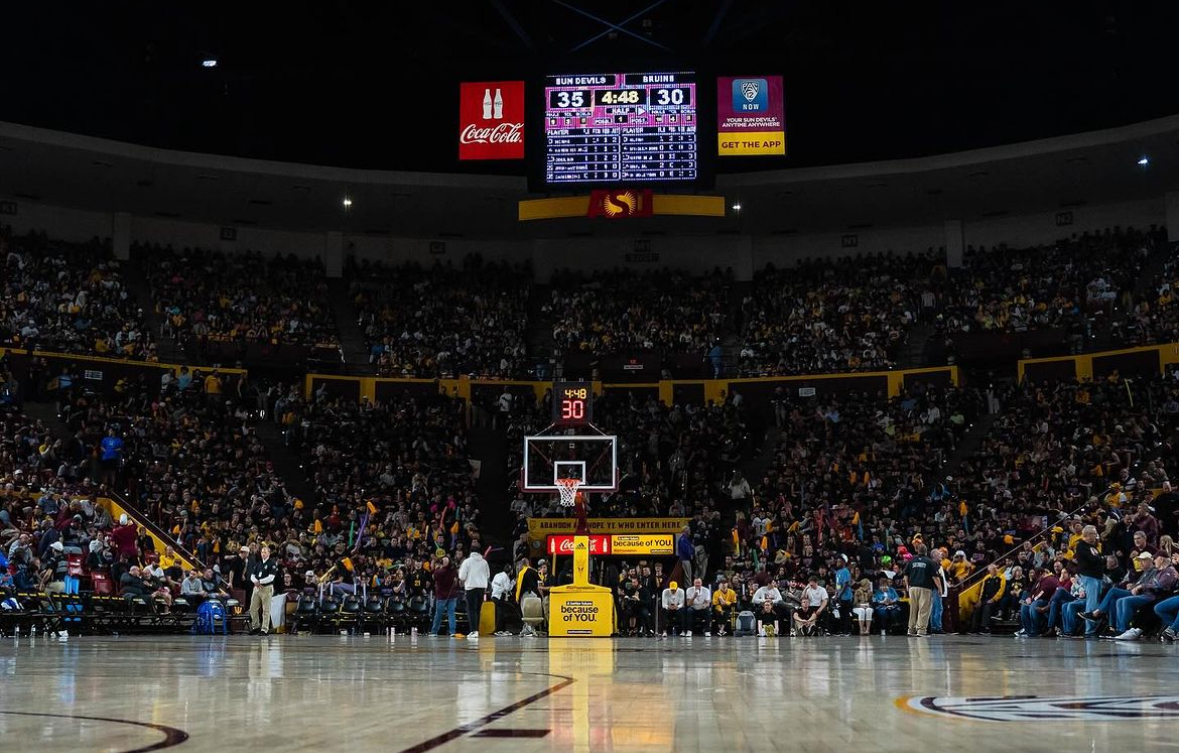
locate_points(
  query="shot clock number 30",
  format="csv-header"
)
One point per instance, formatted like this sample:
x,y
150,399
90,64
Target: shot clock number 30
x,y
572,403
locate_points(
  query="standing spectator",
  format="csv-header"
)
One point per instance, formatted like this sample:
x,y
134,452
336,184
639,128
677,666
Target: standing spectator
x,y
501,596
474,575
844,595
445,594
262,576
1090,571
921,577
739,489
123,537
110,452
685,549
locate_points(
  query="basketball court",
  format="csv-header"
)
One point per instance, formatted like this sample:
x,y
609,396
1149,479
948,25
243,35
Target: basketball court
x,y
698,694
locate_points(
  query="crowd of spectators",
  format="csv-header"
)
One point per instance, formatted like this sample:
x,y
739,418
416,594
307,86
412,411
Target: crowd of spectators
x,y
1075,284
68,297
1154,317
444,321
208,297
828,315
618,311
394,482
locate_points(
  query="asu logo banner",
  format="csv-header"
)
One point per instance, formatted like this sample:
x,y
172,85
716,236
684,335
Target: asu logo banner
x,y
749,119
618,203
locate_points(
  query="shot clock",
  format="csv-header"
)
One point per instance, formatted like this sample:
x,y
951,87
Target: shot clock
x,y
573,403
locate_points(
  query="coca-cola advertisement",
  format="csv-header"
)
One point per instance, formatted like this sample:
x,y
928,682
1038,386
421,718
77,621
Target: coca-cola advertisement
x,y
491,120
563,544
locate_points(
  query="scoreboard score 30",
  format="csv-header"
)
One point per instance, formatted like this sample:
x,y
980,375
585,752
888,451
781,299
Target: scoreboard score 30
x,y
621,127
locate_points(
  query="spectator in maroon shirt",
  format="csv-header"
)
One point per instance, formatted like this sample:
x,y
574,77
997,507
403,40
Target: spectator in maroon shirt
x,y
1033,610
124,536
445,594
1148,524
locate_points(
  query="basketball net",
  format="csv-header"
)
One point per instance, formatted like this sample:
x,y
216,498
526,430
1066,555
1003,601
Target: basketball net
x,y
567,488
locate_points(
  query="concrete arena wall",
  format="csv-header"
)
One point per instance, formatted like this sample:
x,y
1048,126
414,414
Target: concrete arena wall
x,y
698,254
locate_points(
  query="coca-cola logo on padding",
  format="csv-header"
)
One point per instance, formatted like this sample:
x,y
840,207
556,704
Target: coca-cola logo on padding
x,y
491,120
504,133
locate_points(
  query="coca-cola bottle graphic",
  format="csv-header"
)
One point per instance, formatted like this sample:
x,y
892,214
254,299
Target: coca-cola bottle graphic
x,y
498,112
487,104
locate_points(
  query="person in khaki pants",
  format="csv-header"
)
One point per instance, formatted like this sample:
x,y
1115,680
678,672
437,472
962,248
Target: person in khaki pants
x,y
262,575
922,575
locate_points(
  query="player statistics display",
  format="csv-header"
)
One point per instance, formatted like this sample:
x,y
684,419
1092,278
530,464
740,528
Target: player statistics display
x,y
620,127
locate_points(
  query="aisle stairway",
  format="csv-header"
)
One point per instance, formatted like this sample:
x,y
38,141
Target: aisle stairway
x,y
539,334
970,444
46,413
285,461
489,447
137,285
352,340
913,354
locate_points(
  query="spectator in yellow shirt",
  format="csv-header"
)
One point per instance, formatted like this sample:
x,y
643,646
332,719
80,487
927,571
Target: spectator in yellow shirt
x,y
724,600
959,568
170,564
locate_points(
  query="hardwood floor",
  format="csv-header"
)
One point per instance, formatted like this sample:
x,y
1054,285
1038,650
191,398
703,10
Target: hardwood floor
x,y
509,694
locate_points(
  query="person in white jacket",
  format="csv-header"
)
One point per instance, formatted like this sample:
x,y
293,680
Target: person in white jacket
x,y
502,587
474,575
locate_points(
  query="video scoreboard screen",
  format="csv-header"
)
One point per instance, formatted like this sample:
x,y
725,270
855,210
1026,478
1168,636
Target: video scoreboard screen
x,y
621,128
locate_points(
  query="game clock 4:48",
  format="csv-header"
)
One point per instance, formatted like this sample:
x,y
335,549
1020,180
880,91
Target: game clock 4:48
x,y
573,403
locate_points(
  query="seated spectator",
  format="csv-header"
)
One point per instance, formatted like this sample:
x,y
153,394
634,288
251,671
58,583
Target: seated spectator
x,y
814,605
862,599
991,593
886,605
674,612
1159,582
131,583
724,600
698,600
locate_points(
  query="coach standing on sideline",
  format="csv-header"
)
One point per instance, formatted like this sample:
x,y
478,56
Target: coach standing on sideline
x,y
921,577
474,575
262,575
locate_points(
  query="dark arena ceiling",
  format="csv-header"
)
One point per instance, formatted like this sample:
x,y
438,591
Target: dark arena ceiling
x,y
375,85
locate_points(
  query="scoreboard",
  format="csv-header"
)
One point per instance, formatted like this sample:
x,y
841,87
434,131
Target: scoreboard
x,y
620,127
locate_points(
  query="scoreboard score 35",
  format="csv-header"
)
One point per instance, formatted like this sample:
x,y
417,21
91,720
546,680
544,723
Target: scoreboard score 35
x,y
573,403
621,127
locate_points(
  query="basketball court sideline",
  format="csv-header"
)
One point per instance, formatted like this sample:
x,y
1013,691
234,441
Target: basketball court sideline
x,y
421,694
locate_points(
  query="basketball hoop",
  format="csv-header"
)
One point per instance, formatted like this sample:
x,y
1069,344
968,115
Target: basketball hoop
x,y
567,488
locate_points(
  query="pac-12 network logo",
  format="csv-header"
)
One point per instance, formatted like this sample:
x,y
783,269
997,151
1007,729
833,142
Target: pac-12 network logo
x,y
1030,708
750,95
